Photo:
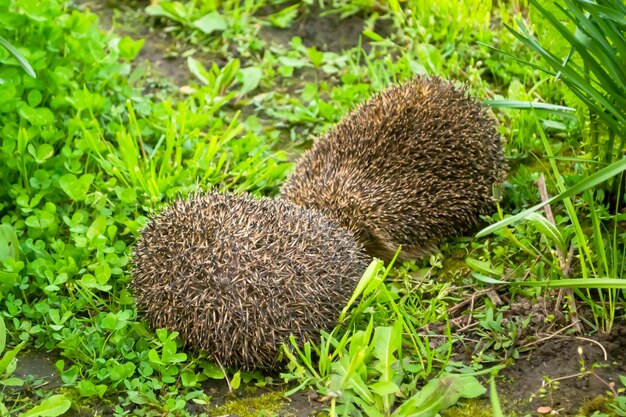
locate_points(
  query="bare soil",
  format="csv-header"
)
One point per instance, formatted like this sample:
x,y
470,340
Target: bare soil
x,y
324,31
38,370
556,372
566,375
570,375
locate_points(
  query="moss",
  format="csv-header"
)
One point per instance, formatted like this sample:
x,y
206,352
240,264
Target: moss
x,y
265,405
469,408
596,404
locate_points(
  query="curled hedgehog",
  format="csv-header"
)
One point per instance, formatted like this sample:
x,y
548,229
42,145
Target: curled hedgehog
x,y
236,276
412,166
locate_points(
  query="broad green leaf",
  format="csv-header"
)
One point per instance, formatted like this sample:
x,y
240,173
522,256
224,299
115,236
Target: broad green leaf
x,y
387,341
40,220
8,357
42,153
547,229
484,267
316,57
97,228
39,116
54,406
189,379
119,372
12,382
366,285
373,35
211,22
109,322
154,357
235,382
7,281
384,388
89,281
34,98
172,10
198,70
3,335
439,394
128,48
86,388
102,273
76,188
250,78
9,245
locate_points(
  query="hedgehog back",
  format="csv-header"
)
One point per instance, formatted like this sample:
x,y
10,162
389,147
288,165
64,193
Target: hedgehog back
x,y
235,276
412,166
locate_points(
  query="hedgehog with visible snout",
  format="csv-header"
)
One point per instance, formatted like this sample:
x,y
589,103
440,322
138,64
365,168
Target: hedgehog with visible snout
x,y
412,166
236,276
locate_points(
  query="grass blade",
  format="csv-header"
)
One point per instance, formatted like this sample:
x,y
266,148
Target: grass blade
x,y
588,183
20,58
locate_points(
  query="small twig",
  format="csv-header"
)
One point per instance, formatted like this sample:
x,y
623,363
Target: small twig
x,y
606,356
545,339
564,263
443,336
568,262
230,388
573,309
470,316
469,300
611,386
543,192
467,327
494,297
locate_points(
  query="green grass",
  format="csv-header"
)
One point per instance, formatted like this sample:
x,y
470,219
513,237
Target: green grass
x,y
98,141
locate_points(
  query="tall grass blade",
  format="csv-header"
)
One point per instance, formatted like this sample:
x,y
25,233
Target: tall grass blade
x,y
588,183
601,283
20,58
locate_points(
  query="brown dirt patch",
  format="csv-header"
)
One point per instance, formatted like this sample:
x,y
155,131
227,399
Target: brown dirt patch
x,y
39,368
571,375
565,374
161,53
323,30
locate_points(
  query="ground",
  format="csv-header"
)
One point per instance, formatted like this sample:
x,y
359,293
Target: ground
x,y
553,374
565,374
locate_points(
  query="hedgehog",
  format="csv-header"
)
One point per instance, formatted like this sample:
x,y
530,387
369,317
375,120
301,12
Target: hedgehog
x,y
235,276
410,167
